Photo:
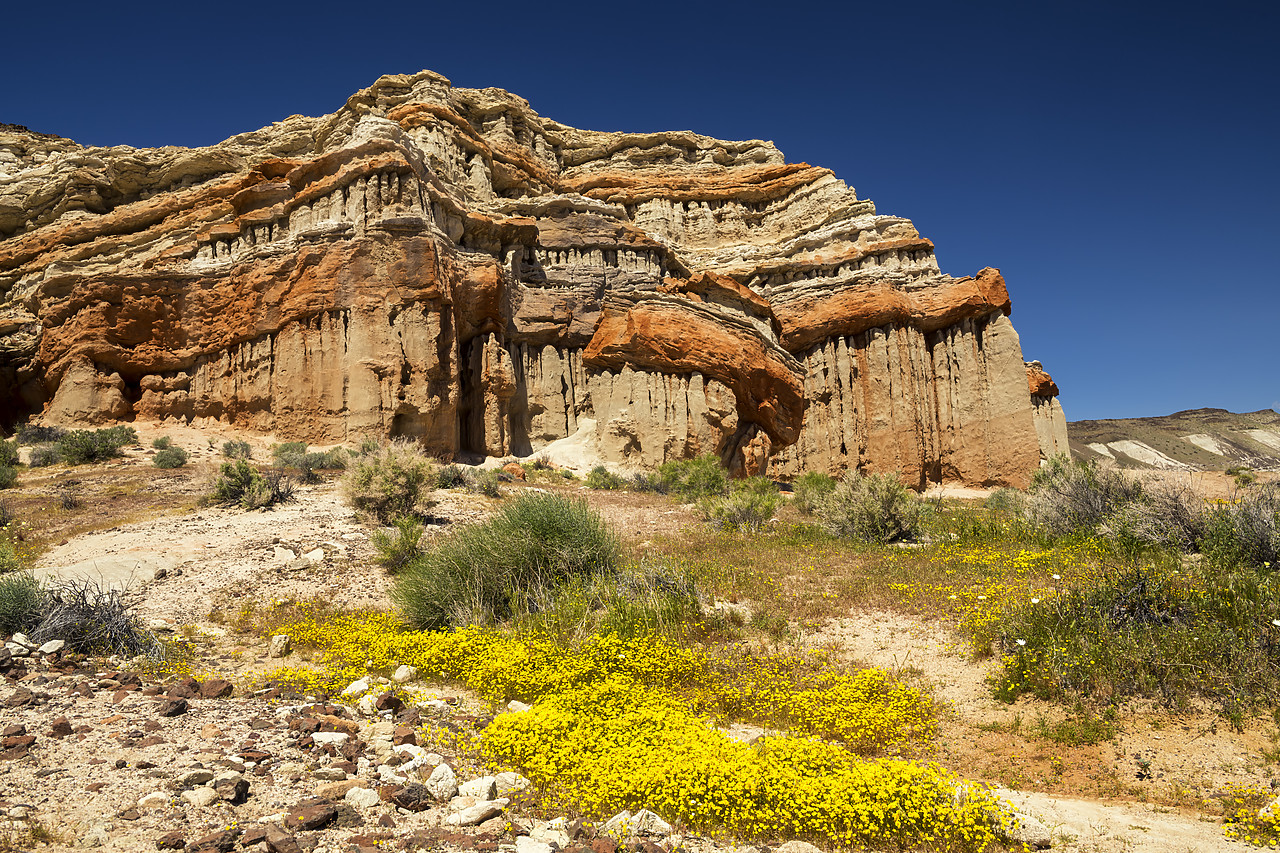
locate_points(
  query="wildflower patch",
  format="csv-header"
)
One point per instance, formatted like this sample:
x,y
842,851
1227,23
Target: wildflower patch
x,y
627,722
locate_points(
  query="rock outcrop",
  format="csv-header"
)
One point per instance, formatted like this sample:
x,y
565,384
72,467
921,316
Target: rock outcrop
x,y
447,264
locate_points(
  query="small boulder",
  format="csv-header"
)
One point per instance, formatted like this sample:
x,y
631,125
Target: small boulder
x,y
200,797
362,798
279,646
404,673
478,813
484,788
216,688
310,814
442,783
172,707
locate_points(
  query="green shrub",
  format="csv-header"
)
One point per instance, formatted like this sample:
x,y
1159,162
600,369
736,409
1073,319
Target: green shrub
x,y
84,446
28,434
396,550
237,449
872,508
645,482
487,570
1163,630
485,482
694,479
8,477
1246,531
387,484
811,488
8,453
451,477
240,483
1005,500
1076,497
8,557
748,507
288,454
162,443
170,457
45,455
1243,474
21,597
602,478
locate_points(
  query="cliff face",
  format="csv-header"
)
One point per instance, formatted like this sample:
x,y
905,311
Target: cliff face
x,y
447,264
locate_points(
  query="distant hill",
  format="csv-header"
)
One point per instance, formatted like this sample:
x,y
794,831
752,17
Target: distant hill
x,y
1194,440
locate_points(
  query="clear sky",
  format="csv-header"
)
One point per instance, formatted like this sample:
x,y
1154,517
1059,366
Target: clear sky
x,y
1119,162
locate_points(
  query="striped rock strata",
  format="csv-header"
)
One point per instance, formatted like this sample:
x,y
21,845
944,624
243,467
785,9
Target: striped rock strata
x,y
447,264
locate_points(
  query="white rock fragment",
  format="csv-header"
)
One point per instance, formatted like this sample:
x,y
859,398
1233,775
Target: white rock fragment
x,y
279,646
484,788
517,707
52,647
198,776
509,783
443,784
154,800
418,757
404,673
355,688
282,555
316,555
529,844
619,825
200,797
362,798
365,706
478,813
645,822
334,738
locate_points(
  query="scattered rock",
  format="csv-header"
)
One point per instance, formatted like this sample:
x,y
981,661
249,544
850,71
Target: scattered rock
x,y
154,800
412,797
336,790
484,788
525,844
645,822
217,842
61,727
52,647
362,798
172,707
442,783
404,673
517,707
200,797
355,688
280,646
231,786
331,738
310,814
216,688
192,778
174,840
478,813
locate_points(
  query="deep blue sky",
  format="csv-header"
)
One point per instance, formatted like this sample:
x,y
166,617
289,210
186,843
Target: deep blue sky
x,y
1117,161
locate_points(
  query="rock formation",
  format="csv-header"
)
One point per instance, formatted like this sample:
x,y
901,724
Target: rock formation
x,y
447,264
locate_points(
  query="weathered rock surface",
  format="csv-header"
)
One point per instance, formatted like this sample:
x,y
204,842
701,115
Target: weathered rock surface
x,y
447,264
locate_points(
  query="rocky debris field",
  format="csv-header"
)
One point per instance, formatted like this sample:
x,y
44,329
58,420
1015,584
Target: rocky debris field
x,y
117,759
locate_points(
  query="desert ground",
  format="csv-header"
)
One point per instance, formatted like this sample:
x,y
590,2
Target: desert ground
x,y
106,769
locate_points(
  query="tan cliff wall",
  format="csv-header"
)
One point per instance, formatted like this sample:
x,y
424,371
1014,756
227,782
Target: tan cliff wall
x,y
447,264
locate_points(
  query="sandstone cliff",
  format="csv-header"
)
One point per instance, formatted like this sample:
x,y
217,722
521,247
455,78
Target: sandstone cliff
x,y
447,264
